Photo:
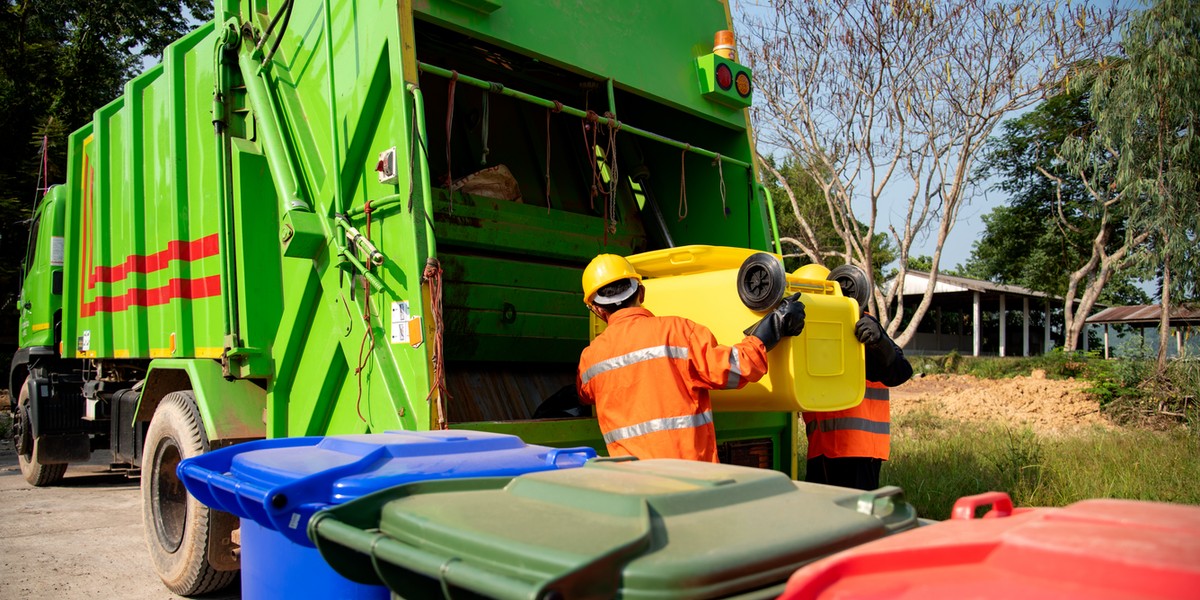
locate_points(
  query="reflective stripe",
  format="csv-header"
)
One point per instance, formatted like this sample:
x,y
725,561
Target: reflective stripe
x,y
735,370
653,425
876,394
634,357
849,424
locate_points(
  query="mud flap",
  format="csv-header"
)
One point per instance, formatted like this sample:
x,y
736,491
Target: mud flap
x,y
62,449
223,551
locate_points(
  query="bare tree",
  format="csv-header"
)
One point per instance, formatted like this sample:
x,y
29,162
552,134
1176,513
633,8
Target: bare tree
x,y
1108,210
896,99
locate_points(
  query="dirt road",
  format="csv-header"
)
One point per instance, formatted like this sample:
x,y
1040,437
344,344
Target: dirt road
x,y
80,539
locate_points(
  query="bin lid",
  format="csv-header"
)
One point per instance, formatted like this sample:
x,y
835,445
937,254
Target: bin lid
x,y
1095,549
660,528
685,260
280,483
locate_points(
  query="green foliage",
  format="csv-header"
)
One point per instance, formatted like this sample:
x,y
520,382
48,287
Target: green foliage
x,y
952,362
1047,229
924,263
938,460
1145,395
60,61
1145,108
1057,364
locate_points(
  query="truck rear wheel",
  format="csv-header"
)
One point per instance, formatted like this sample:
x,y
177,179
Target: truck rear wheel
x,y
34,472
177,526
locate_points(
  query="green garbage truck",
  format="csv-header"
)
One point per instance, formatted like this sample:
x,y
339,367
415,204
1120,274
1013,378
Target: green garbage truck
x,y
324,217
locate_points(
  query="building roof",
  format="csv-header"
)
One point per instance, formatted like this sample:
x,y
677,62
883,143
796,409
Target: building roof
x,y
916,282
1145,313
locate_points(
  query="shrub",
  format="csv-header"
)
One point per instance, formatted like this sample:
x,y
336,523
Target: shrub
x,y
952,362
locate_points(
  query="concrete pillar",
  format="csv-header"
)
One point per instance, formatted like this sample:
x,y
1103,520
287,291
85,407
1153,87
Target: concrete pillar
x,y
1025,326
1179,342
937,335
1106,341
1086,337
975,325
1046,329
1003,326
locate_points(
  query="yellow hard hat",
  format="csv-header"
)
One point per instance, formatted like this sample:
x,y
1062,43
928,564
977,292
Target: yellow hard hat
x,y
812,271
603,270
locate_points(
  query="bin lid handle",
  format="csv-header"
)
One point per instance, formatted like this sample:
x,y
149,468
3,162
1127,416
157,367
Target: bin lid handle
x,y
964,509
585,453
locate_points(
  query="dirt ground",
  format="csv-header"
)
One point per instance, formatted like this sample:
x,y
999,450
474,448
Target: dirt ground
x,y
80,539
83,538
1047,406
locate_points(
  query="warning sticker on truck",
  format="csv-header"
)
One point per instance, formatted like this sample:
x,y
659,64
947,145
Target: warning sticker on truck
x,y
56,250
400,319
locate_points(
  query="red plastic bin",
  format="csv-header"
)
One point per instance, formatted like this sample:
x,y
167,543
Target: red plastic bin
x,y
1095,549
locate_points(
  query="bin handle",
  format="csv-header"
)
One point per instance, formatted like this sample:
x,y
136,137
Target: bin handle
x,y
964,508
554,453
615,459
869,502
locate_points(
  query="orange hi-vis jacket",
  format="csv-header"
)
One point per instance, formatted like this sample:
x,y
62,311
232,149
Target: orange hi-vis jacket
x,y
649,378
863,431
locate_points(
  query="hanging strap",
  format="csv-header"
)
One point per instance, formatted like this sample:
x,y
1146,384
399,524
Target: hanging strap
x,y
369,334
590,123
485,123
610,158
433,275
449,124
721,175
683,207
549,111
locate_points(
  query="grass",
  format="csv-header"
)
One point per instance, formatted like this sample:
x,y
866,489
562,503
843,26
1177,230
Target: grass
x,y
938,460
1057,365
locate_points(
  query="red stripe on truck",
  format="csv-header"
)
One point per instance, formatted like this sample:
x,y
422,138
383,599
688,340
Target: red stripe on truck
x,y
189,289
176,250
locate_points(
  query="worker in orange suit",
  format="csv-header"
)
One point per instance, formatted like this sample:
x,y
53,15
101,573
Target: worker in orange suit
x,y
649,376
847,447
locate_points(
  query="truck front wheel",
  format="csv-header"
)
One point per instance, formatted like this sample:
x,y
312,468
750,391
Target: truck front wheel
x,y
34,472
178,528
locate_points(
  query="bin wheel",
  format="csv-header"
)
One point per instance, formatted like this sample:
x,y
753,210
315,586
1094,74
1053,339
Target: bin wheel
x,y
761,282
177,527
34,472
853,282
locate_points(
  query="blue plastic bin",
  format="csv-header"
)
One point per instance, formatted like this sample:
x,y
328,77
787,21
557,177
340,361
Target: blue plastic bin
x,y
275,486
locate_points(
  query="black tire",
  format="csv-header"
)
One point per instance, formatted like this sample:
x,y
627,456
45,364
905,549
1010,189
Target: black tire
x,y
853,282
761,282
35,473
176,525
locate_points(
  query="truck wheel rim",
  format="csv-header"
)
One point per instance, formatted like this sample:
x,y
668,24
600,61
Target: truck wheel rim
x,y
22,436
169,496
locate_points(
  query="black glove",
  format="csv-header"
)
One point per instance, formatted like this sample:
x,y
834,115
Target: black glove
x,y
879,347
868,330
786,320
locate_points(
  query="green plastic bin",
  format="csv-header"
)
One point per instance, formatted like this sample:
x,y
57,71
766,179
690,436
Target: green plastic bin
x,y
614,528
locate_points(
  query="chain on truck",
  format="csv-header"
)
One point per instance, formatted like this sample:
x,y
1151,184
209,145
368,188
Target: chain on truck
x,y
339,217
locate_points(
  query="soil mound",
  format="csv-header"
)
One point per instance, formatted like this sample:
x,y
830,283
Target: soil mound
x,y
1047,406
